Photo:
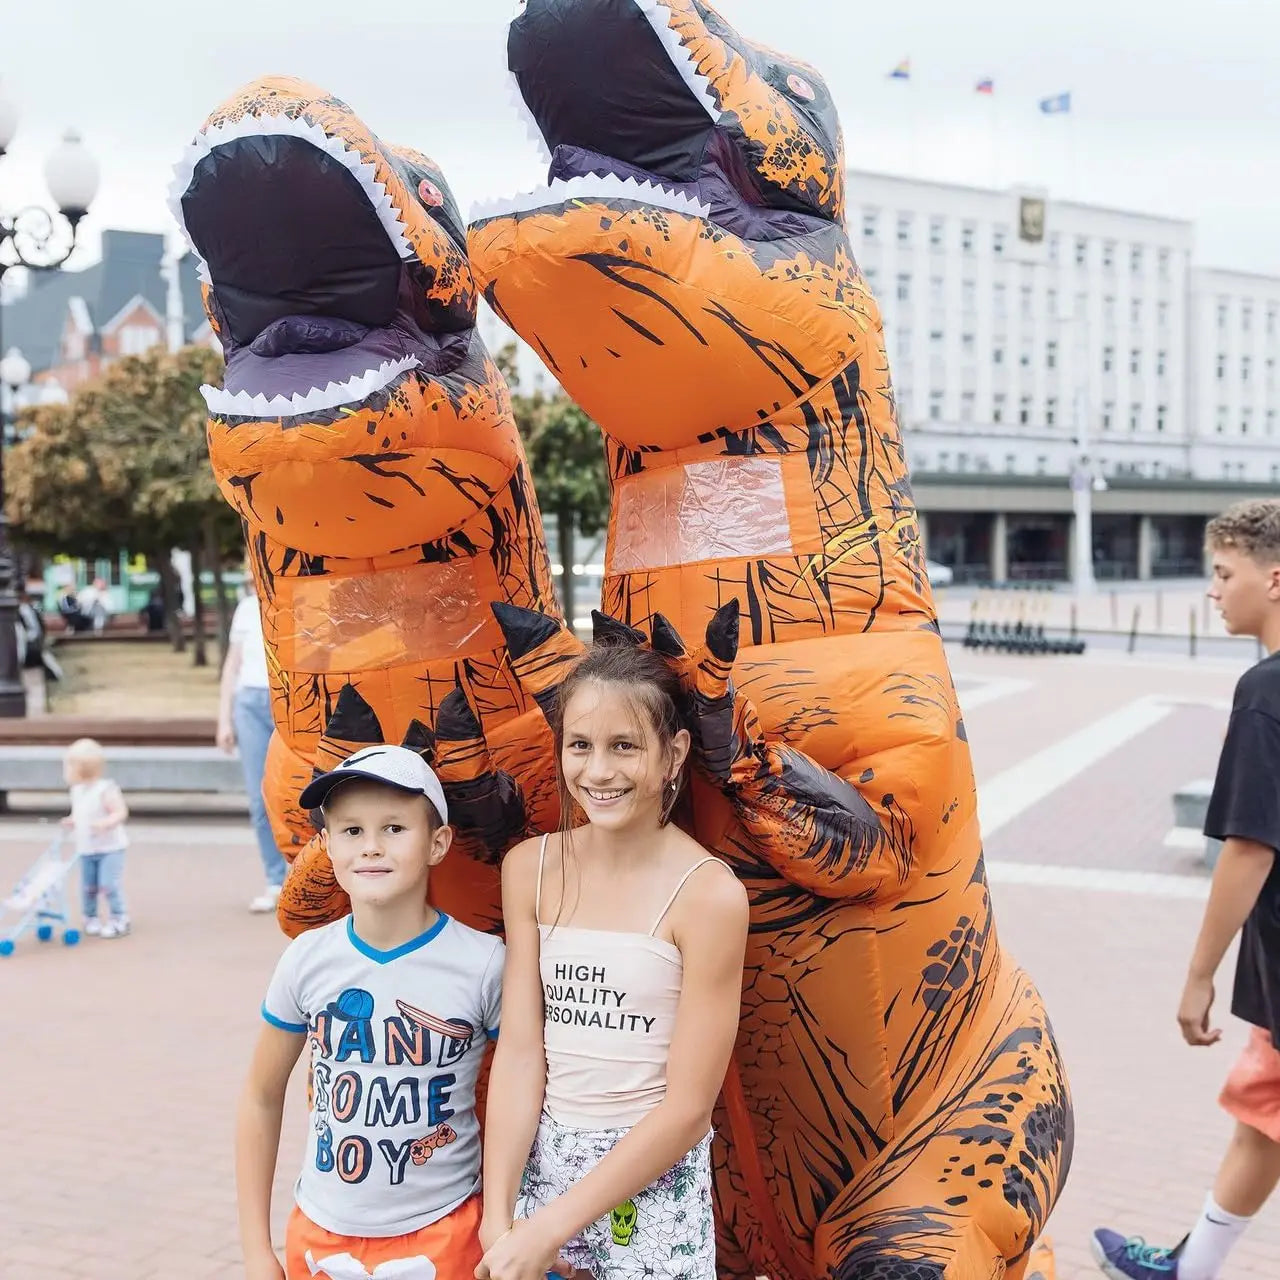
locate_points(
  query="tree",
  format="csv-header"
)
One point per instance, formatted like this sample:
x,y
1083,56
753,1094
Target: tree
x,y
125,465
566,456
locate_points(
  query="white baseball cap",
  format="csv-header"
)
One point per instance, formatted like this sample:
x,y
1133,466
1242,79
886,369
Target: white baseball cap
x,y
395,766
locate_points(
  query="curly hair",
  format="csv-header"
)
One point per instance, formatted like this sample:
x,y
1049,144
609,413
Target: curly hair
x,y
1252,527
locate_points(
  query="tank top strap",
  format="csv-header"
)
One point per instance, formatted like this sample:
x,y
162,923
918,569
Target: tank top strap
x,y
675,893
537,893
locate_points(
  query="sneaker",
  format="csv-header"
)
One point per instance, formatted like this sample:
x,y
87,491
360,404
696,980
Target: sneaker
x,y
1131,1258
267,899
116,928
92,927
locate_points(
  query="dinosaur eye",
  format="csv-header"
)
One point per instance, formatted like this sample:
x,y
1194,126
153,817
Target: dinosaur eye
x,y
430,194
800,87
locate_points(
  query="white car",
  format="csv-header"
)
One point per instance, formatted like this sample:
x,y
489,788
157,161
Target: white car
x,y
940,575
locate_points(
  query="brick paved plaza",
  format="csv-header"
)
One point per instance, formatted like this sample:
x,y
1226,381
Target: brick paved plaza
x,y
122,1059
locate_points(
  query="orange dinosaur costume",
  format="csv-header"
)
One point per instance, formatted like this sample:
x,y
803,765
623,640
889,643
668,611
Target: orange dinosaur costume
x,y
897,1109
365,437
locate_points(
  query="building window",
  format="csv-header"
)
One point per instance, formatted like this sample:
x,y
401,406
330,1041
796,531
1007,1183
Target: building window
x,y
1246,317
872,275
1162,263
1160,363
997,355
1271,322
1025,358
1108,414
966,406
968,294
1042,464
1051,303
1024,410
1011,462
1222,315
967,344
1051,355
1109,311
1108,254
1162,315
1221,422
937,291
935,339
1271,372
1000,300
1026,302
1135,361
1246,418
935,233
1135,311
1271,421
998,239
935,405
904,228
870,224
1245,365
1222,366
135,339
1161,413
997,407
1108,359
1135,416
1135,259
904,344
968,233
1082,251
1050,411
904,287
1055,247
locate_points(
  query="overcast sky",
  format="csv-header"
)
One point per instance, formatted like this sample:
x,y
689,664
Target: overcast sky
x,y
1176,107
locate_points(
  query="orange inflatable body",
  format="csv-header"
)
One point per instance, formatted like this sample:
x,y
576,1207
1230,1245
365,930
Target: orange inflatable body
x,y
365,437
897,1107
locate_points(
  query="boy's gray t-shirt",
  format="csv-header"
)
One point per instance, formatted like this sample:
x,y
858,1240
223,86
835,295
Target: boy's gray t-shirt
x,y
396,1040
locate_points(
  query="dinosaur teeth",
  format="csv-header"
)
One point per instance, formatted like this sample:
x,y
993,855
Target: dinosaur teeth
x,y
530,124
240,404
658,15
251,126
592,187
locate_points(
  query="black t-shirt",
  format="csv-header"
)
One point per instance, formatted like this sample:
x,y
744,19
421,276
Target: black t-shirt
x,y
1246,803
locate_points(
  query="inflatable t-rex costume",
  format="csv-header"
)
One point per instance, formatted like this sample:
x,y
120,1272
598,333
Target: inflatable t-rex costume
x,y
897,1108
366,439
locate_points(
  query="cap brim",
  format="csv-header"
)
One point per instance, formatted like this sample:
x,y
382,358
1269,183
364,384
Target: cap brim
x,y
318,790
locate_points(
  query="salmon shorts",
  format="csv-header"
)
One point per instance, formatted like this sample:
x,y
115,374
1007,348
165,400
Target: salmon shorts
x,y
448,1249
1252,1091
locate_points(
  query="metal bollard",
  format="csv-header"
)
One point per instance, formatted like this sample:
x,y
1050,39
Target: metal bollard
x,y
1133,630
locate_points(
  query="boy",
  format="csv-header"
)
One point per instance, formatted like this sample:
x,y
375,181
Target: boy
x,y
394,1003
97,817
1244,811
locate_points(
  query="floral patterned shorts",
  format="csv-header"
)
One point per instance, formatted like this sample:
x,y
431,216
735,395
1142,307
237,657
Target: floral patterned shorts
x,y
664,1233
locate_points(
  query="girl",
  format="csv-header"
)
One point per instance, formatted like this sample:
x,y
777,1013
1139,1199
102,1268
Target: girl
x,y
621,995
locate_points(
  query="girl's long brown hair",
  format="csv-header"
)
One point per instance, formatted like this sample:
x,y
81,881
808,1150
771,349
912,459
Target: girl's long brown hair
x,y
656,699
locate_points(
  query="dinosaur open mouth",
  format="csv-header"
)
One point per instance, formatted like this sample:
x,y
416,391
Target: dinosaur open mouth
x,y
305,253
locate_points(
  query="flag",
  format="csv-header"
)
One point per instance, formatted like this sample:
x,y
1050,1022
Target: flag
x,y
1060,102
985,86
902,71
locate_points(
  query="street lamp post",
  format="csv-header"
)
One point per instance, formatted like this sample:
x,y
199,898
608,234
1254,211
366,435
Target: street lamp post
x,y
40,241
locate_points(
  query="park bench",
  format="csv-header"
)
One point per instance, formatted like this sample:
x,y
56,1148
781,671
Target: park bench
x,y
156,756
1190,804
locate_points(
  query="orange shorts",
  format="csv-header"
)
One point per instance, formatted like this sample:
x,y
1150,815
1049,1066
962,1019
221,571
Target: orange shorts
x,y
449,1249
1252,1091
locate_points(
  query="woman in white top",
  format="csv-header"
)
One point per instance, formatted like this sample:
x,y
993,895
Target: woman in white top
x,y
244,720
621,997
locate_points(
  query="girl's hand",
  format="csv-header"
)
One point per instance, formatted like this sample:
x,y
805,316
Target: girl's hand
x,y
263,1266
492,1230
68,821
524,1252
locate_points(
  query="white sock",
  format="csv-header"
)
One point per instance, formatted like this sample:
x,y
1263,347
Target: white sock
x,y
1210,1241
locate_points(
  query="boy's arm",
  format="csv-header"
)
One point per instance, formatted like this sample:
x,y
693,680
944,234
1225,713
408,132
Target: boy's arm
x,y
258,1141
1242,870
114,809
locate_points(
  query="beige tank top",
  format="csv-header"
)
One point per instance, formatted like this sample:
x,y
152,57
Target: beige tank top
x,y
610,1008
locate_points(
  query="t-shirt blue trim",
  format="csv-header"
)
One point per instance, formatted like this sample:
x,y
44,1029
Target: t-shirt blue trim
x,y
299,1027
385,957
491,1033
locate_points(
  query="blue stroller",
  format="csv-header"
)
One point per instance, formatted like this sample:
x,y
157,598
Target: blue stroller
x,y
41,900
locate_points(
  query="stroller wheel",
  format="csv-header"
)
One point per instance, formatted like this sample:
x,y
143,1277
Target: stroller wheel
x,y
70,937
44,932
6,946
